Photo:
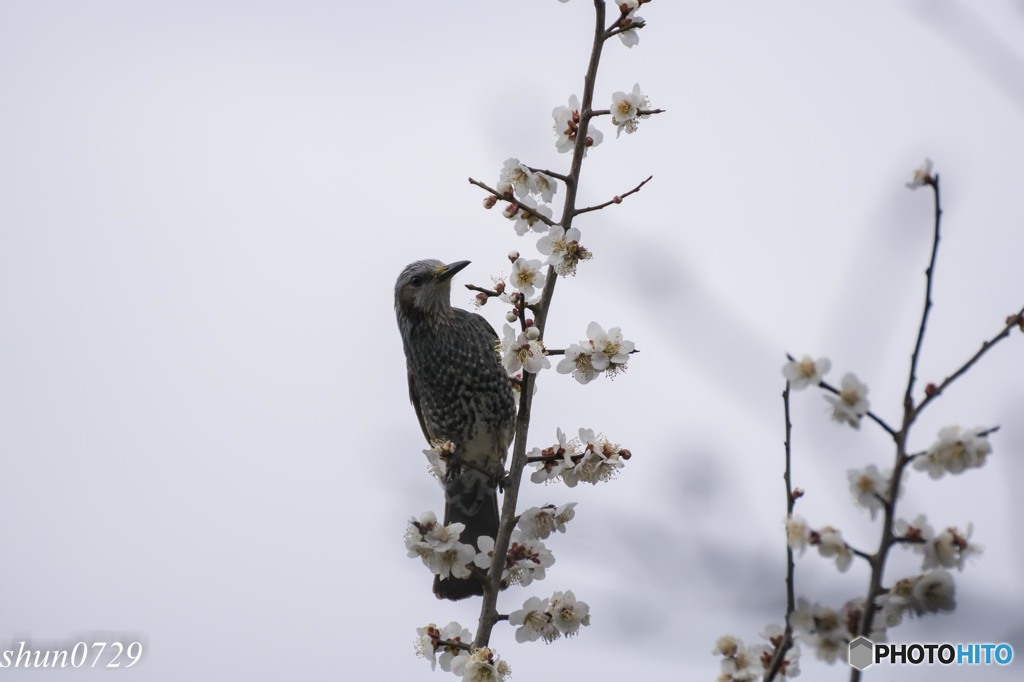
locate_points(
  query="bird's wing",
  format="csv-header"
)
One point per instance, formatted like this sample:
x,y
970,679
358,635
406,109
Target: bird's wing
x,y
481,322
415,400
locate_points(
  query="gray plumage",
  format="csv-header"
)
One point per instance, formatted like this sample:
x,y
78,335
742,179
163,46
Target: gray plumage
x,y
461,393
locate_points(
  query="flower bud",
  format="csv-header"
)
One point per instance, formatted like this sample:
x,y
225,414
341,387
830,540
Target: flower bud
x,y
481,298
513,256
532,332
512,315
490,201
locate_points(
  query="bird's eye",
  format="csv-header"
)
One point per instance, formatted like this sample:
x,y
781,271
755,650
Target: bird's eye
x,y
416,280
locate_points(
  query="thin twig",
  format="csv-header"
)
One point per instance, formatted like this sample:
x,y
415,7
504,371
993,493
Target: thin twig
x,y
986,346
616,200
908,397
887,540
787,638
515,202
639,112
558,176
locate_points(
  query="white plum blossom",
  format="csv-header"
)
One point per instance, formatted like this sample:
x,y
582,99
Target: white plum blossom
x,y
823,628
625,109
600,460
578,360
563,249
922,175
525,220
522,352
798,533
515,177
543,186
437,458
933,592
534,622
525,562
775,635
739,664
805,372
438,547
954,452
541,522
869,488
556,459
918,534
528,559
568,613
950,548
601,352
482,665
611,351
630,37
527,276
831,544
430,639
851,404
566,127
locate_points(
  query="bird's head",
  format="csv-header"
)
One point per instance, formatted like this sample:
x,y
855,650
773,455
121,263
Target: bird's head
x,y
424,289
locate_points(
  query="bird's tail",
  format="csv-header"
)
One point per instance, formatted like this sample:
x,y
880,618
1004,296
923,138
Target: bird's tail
x,y
483,521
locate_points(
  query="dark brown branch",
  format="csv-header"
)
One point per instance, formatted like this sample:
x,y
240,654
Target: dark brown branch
x,y
558,176
639,112
986,346
515,202
908,397
887,540
616,200
488,607
787,639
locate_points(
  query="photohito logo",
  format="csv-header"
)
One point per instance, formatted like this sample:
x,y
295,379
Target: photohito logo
x,y
864,653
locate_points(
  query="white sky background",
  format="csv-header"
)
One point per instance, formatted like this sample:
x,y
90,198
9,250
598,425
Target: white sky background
x,y
204,427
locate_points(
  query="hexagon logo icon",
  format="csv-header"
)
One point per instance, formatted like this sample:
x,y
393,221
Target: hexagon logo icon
x,y
862,653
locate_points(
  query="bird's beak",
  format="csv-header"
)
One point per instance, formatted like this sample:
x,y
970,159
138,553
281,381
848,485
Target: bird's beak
x,y
449,270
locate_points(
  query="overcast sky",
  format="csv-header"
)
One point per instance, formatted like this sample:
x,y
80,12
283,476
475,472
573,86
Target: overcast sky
x,y
204,426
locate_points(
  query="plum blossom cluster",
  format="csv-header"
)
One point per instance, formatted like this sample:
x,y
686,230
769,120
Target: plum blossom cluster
x,y
826,631
849,403
541,522
447,640
551,618
567,124
741,663
588,459
828,540
949,549
438,546
472,665
526,561
602,351
930,592
954,452
522,351
563,249
529,187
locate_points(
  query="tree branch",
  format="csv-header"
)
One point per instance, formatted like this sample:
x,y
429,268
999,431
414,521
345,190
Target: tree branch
x,y
617,199
488,610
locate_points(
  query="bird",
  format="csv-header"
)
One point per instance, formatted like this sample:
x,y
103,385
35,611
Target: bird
x,y
461,393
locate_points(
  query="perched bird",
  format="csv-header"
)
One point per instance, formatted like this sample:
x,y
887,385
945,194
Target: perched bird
x,y
461,394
